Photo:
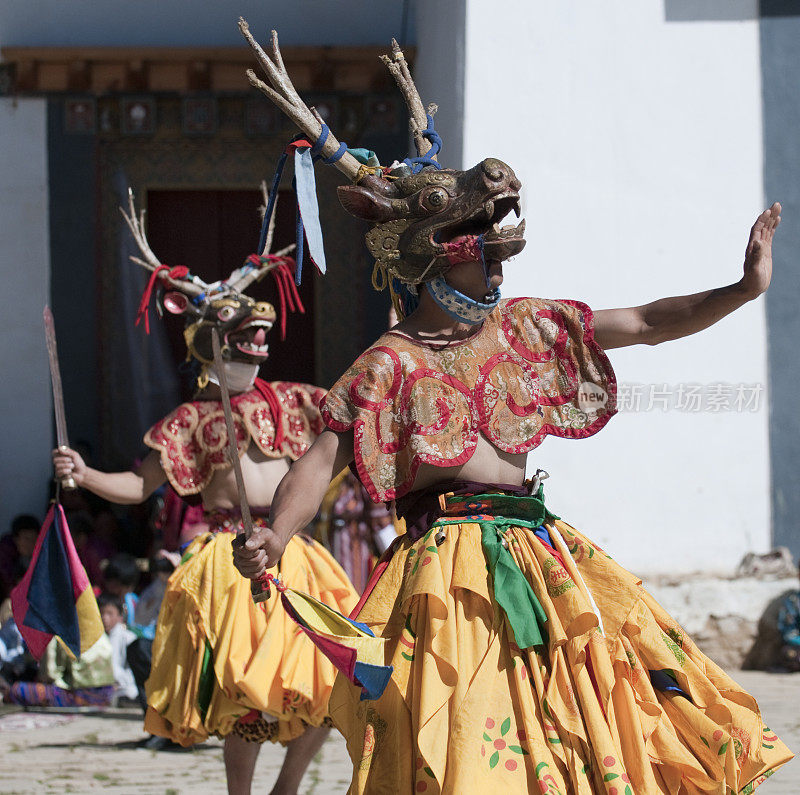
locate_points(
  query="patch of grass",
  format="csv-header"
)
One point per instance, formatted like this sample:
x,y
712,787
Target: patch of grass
x,y
171,792
14,747
102,777
91,738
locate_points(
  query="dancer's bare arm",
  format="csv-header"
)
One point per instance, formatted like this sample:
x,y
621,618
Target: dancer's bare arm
x,y
296,502
672,318
124,488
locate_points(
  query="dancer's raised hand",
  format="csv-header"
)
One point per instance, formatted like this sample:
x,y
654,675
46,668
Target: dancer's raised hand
x,y
758,254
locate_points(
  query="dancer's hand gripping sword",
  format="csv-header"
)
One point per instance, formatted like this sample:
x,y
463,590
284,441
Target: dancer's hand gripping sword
x,y
67,483
259,588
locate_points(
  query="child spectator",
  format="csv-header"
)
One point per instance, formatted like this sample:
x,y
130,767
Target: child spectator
x,y
112,613
122,576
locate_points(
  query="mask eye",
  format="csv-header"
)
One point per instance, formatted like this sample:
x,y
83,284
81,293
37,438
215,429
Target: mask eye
x,y
435,200
226,313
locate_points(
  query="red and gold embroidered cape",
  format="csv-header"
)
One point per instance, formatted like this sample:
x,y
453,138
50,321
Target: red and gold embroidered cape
x,y
533,369
193,439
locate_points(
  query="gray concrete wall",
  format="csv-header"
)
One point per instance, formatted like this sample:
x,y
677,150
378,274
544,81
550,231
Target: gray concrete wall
x,y
73,235
780,63
439,71
197,23
26,425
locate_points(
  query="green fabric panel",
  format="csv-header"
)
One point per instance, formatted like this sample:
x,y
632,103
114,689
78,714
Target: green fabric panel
x,y
205,688
513,592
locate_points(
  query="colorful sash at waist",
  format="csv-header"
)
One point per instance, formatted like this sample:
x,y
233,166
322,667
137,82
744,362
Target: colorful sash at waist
x,y
494,512
420,509
229,520
526,510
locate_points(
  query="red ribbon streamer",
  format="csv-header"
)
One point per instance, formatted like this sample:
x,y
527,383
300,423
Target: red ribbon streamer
x,y
178,272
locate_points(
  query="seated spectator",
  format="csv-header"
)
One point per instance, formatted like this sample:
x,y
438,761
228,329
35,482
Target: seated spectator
x,y
789,627
16,662
161,567
140,651
16,551
122,576
67,682
113,617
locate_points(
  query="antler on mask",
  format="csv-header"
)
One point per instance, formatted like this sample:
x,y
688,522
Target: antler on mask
x,y
423,222
151,261
398,67
242,322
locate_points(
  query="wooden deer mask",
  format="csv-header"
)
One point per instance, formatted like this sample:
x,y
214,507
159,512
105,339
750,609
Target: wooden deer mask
x,y
424,218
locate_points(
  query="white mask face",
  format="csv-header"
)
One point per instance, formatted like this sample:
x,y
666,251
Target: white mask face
x,y
239,375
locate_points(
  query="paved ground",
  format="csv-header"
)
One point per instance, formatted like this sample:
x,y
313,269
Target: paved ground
x,y
42,753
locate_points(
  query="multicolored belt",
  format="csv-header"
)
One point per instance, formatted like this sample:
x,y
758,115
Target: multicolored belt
x,y
495,512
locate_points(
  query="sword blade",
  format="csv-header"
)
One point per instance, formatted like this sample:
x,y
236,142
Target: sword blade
x,y
233,447
55,378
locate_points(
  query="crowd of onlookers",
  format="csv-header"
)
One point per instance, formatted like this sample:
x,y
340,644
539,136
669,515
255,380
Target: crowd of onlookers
x,y
129,554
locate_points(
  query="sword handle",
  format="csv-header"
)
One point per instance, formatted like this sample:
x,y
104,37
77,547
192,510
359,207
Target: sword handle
x,y
67,482
259,589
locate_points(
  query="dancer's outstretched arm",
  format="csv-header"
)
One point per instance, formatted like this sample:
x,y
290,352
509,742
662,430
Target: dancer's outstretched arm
x,y
672,318
124,488
296,502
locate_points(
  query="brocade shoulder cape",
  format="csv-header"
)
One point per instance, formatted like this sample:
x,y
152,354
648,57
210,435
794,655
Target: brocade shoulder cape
x,y
532,369
280,417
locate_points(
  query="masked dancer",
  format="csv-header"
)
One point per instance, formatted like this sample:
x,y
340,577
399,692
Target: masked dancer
x,y
524,658
222,664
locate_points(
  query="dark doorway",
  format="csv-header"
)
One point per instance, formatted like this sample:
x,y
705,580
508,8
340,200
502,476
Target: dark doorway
x,y
212,232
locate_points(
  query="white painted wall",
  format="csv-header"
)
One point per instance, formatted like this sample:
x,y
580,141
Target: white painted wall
x,y
25,420
639,144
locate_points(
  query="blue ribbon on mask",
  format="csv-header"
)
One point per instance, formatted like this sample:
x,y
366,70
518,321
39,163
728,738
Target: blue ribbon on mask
x,y
307,212
307,226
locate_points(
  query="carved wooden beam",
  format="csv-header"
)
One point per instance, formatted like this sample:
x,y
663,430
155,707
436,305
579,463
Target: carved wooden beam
x,y
99,70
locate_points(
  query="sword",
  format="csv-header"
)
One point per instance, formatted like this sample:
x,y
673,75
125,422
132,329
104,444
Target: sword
x,y
258,588
67,483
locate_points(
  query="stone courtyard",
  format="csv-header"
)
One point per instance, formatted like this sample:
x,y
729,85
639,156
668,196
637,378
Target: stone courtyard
x,y
66,752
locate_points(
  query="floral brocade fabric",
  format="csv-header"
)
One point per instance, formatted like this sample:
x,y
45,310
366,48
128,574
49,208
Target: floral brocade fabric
x,y
532,370
193,439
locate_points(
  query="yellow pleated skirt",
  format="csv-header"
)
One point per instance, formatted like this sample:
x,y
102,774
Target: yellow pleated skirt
x,y
217,655
619,700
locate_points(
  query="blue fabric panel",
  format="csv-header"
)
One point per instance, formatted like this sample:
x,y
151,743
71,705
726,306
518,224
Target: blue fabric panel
x,y
373,679
664,681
